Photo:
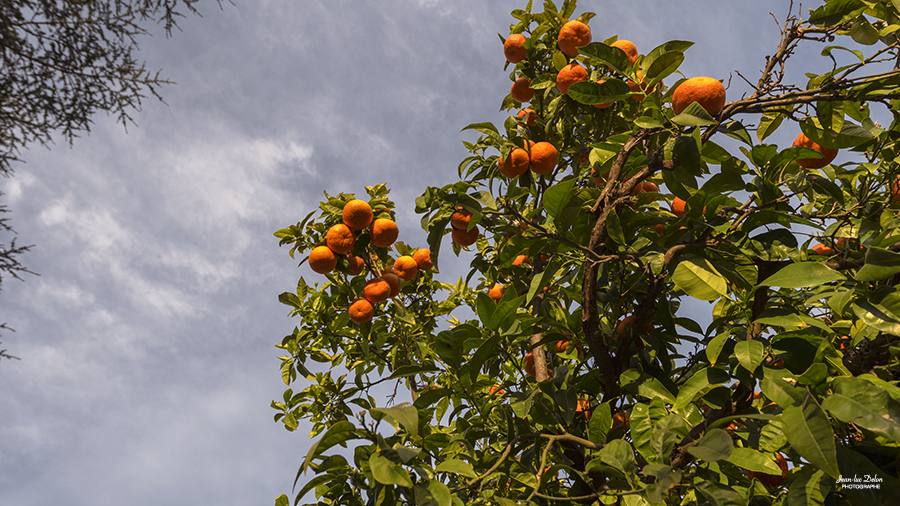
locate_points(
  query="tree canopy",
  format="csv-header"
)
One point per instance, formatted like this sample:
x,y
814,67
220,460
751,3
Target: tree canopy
x,y
562,369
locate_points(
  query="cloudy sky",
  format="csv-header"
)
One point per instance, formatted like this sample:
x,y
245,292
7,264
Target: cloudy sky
x,y
147,342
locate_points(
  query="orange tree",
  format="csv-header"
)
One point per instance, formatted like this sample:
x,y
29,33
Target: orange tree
x,y
561,370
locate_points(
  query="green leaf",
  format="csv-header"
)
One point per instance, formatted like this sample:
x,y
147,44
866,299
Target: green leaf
x,y
614,228
642,431
612,56
862,403
699,278
663,66
880,264
588,93
809,487
713,447
714,348
557,196
781,386
810,433
753,460
337,433
768,124
802,274
485,128
749,353
456,466
282,500
487,350
388,473
405,415
600,423
435,494
701,382
720,495
694,115
863,32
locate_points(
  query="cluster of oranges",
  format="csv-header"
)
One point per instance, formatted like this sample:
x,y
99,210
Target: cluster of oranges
x,y
340,239
540,157
461,233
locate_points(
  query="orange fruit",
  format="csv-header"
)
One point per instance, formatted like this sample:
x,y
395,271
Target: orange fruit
x,y
377,290
406,267
645,187
529,115
358,214
637,88
543,157
570,74
393,281
497,390
659,228
678,207
706,91
496,292
821,249
384,233
423,259
361,311
322,260
460,219
622,328
562,346
521,259
895,190
605,105
340,239
514,48
529,364
629,48
584,406
828,154
599,179
573,35
619,418
515,164
521,90
465,238
771,480
356,265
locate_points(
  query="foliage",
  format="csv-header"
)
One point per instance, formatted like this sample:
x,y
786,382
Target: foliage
x,y
61,62
798,363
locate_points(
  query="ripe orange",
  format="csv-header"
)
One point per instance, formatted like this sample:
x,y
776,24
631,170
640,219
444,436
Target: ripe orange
x,y
599,179
637,88
771,480
357,214
340,239
496,292
584,406
529,364
828,154
573,35
393,281
384,233
514,48
521,259
604,105
529,115
465,238
361,311
645,187
895,190
629,48
356,265
322,260
515,164
423,259
706,91
570,74
678,207
497,390
821,249
460,219
521,90
622,328
562,346
406,267
659,228
619,418
543,157
377,290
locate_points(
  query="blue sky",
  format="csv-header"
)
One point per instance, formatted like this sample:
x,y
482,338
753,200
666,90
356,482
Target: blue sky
x,y
147,342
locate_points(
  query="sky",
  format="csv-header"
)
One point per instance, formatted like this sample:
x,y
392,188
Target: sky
x,y
147,340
